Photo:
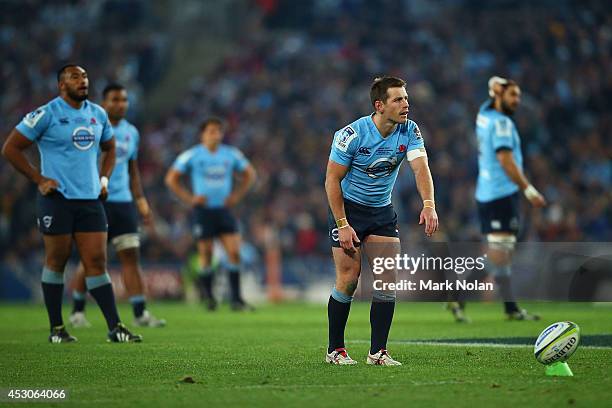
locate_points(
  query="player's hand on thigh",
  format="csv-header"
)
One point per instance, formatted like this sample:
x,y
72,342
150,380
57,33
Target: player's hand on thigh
x,y
103,193
348,238
429,217
197,200
47,185
232,200
538,201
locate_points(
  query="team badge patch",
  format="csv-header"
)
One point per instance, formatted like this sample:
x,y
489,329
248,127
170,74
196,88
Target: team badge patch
x,y
335,235
344,138
503,128
417,132
32,118
47,221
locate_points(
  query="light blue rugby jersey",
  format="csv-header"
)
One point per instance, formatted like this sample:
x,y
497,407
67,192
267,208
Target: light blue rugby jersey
x,y
211,173
495,131
373,161
68,140
126,147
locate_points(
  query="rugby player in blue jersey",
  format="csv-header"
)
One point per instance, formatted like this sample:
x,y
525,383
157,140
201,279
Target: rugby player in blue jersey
x,y
500,181
68,132
211,166
125,199
361,172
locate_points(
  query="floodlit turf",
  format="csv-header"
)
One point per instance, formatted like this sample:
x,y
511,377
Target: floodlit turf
x,y
274,357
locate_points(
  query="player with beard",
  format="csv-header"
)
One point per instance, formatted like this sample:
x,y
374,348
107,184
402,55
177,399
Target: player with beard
x,y
68,132
361,172
125,202
500,179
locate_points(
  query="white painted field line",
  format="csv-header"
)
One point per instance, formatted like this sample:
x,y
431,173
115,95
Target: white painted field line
x,y
467,344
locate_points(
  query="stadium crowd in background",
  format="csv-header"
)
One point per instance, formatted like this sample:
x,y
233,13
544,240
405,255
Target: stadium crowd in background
x,y
299,73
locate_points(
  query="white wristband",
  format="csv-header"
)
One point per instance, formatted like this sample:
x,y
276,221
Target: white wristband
x,y
104,181
531,192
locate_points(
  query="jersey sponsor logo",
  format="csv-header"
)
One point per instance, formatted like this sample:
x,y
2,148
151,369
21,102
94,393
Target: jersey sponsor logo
x,y
83,138
344,139
364,150
214,175
503,128
381,167
482,121
32,118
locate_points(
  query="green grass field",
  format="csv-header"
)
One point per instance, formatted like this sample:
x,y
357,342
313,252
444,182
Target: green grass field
x,y
274,357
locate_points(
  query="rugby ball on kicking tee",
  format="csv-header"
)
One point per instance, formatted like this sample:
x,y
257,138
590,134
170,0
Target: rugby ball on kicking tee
x,y
557,342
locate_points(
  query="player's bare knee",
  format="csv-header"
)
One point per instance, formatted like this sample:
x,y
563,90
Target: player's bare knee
x,y
94,263
56,260
56,265
347,285
234,257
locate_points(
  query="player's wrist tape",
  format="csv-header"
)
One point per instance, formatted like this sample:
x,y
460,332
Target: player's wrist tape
x,y
104,181
342,223
531,192
429,204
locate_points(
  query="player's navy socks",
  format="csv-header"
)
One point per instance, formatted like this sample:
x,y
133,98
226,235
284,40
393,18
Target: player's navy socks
x,y
205,282
338,309
53,291
381,316
505,290
78,301
101,289
234,282
138,305
511,307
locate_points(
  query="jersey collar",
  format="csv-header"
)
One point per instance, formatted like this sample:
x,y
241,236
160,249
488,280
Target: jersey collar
x,y
67,105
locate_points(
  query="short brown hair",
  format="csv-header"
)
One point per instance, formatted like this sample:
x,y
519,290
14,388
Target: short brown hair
x,y
378,90
210,121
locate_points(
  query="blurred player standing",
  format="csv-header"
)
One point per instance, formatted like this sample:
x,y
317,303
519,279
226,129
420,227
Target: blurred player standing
x,y
500,181
211,167
125,198
361,172
68,131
